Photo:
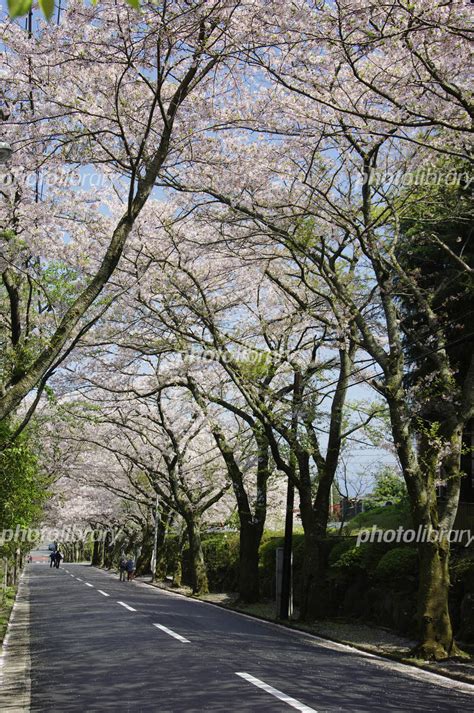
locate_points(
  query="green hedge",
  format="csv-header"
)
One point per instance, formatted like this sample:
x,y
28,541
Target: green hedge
x,y
387,517
348,559
397,564
221,554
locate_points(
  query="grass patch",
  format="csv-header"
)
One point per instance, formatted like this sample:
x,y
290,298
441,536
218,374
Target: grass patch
x,y
264,610
388,517
5,609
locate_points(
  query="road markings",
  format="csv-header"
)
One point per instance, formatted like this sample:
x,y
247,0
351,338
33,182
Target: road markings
x,y
79,579
126,606
104,593
278,694
172,633
89,585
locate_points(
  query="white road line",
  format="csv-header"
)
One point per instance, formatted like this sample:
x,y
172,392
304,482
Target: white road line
x,y
172,633
278,694
126,606
79,579
104,593
89,585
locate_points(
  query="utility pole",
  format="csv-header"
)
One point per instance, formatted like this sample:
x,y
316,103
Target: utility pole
x,y
286,577
155,541
286,584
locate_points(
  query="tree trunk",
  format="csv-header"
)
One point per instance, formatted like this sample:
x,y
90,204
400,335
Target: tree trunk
x,y
198,567
175,567
421,472
108,553
436,634
177,571
313,574
436,641
314,517
96,554
250,538
143,561
160,568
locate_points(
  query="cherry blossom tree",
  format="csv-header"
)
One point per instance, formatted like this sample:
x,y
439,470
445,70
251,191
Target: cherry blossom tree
x,y
246,342
363,94
133,93
163,449
282,240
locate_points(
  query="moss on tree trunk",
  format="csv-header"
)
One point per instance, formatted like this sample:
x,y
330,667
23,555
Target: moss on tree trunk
x,y
198,566
436,633
250,538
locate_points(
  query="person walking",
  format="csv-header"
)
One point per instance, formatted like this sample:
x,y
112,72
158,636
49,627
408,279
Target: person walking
x,y
52,559
122,568
130,566
57,558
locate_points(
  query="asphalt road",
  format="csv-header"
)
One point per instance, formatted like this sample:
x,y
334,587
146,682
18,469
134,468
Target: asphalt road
x,y
89,652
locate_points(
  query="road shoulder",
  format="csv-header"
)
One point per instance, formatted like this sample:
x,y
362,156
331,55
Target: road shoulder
x,y
15,662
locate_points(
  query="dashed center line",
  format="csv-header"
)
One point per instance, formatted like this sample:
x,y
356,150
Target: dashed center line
x,y
172,633
278,694
104,593
79,579
126,606
89,585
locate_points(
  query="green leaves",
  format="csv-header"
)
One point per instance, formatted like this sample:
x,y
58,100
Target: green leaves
x,y
17,8
23,487
47,6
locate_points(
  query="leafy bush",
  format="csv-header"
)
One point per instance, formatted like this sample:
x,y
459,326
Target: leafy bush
x,y
462,568
389,487
396,564
23,487
388,517
267,567
350,559
221,554
347,557
339,549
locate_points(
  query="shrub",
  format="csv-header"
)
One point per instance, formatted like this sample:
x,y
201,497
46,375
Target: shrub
x,y
221,554
339,549
462,568
388,517
351,558
396,564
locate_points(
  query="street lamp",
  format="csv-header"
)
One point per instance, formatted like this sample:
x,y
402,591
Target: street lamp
x,y
5,152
